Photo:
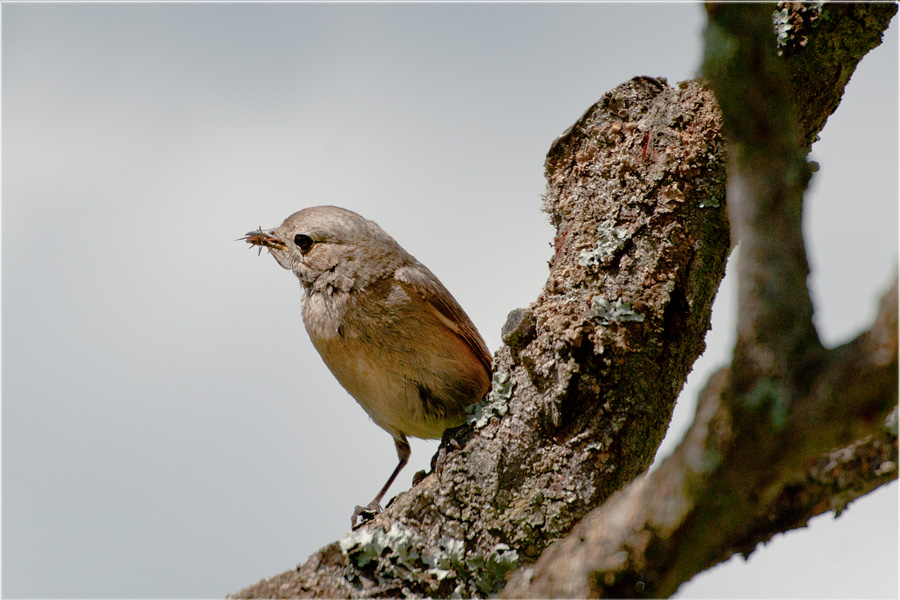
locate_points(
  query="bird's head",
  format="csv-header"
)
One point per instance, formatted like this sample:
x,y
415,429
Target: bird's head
x,y
331,247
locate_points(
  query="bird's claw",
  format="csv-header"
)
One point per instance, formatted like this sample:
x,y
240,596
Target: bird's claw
x,y
365,513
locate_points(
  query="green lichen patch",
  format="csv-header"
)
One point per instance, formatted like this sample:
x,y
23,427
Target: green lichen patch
x,y
389,550
609,241
890,422
612,312
782,25
490,571
496,403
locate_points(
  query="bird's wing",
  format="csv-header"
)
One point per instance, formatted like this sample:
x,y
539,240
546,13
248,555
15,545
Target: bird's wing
x,y
417,279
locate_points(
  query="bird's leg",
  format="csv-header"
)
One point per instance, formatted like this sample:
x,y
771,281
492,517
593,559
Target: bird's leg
x,y
367,513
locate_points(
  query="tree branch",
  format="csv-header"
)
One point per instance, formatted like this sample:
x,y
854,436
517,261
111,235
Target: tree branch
x,y
820,46
776,337
723,492
759,457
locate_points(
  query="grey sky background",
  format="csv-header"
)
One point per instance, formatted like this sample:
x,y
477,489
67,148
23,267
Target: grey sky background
x,y
167,428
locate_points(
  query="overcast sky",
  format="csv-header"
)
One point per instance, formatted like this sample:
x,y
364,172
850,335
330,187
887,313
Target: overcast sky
x,y
168,429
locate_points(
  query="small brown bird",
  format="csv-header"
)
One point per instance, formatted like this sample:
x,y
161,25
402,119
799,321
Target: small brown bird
x,y
390,332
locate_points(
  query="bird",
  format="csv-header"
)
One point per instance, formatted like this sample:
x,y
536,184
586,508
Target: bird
x,y
390,332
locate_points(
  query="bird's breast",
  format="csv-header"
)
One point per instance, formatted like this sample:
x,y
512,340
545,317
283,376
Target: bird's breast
x,y
391,359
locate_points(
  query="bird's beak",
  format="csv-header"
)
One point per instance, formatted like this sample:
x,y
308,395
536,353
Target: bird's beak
x,y
264,239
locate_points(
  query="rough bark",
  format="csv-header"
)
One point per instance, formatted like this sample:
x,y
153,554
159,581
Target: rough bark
x,y
789,430
820,47
723,491
585,385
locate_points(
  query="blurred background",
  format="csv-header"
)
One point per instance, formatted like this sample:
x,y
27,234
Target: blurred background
x,y
167,428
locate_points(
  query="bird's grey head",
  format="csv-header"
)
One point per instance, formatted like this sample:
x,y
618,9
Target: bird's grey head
x,y
331,248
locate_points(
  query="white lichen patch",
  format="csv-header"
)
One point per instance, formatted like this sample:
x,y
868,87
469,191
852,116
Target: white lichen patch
x,y
399,553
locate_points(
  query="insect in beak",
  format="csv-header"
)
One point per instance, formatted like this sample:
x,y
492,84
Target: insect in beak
x,y
263,239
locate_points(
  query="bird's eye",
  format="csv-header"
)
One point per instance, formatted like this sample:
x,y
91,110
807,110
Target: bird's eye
x,y
304,242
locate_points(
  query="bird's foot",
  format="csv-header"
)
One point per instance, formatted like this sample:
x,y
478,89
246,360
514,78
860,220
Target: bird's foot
x,y
365,514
